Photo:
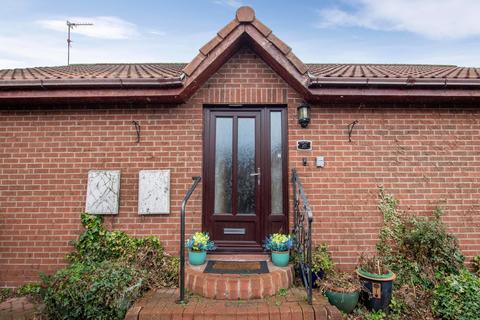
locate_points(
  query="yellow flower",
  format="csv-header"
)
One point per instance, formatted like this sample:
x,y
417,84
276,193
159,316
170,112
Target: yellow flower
x,y
200,238
279,238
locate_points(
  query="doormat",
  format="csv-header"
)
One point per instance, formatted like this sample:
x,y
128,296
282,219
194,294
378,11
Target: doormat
x,y
236,267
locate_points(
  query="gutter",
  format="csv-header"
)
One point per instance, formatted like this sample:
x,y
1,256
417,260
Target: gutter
x,y
406,83
91,83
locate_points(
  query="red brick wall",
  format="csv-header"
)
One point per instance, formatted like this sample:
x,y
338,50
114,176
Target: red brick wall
x,y
421,154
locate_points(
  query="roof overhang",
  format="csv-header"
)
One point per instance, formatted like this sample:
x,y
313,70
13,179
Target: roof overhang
x,y
244,30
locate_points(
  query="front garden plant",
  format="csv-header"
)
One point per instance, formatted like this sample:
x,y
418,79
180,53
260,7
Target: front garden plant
x,y
432,281
108,270
342,290
198,245
279,244
321,264
424,256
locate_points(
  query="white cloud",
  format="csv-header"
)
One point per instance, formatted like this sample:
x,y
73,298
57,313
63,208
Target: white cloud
x,y
229,3
157,33
103,27
30,47
434,19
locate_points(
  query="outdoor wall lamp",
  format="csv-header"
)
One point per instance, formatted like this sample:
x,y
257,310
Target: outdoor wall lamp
x,y
303,113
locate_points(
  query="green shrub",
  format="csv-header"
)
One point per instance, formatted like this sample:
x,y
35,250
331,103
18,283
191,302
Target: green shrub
x,y
29,289
457,297
418,249
92,291
321,259
476,265
108,271
5,294
97,244
421,252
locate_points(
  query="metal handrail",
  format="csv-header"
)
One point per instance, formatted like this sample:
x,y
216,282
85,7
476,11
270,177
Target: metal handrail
x,y
303,234
196,180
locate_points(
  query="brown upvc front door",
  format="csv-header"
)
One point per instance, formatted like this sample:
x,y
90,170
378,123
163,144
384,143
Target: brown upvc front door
x,y
245,175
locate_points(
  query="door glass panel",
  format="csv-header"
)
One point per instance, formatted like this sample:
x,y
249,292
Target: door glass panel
x,y
246,166
223,165
276,161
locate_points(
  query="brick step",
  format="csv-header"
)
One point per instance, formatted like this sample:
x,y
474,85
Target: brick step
x,y
161,304
237,286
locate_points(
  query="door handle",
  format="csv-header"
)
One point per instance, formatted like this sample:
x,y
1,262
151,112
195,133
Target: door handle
x,y
256,174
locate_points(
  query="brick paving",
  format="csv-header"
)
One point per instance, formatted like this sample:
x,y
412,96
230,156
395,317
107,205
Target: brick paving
x,y
161,304
20,308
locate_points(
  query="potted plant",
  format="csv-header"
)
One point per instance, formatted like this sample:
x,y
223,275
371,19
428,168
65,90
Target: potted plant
x,y
321,264
279,244
198,245
342,290
377,281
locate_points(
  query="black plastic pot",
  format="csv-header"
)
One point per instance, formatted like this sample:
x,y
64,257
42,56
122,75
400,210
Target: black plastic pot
x,y
317,276
377,289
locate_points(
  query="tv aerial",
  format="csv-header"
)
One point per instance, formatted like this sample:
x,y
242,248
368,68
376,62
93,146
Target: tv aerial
x,y
70,26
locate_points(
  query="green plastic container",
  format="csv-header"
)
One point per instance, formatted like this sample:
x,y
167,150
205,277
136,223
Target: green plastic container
x,y
344,301
280,258
197,258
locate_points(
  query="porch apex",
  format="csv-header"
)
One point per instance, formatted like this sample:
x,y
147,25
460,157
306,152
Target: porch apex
x,y
245,29
245,14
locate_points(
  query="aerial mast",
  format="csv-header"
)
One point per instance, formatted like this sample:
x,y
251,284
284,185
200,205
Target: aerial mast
x,y
70,26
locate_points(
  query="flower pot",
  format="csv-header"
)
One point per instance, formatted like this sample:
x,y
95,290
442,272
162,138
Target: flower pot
x,y
344,301
377,289
315,276
280,258
197,258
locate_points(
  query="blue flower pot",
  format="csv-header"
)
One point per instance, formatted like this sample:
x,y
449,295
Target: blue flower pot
x,y
197,258
280,258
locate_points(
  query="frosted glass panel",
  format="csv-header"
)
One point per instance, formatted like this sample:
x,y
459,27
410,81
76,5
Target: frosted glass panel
x,y
276,162
246,166
223,165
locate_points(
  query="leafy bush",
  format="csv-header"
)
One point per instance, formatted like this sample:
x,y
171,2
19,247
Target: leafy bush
x,y
29,289
89,291
458,297
108,271
418,249
476,265
97,244
321,259
421,252
5,294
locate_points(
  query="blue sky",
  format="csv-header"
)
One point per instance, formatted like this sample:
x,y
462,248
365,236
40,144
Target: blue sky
x,y
33,32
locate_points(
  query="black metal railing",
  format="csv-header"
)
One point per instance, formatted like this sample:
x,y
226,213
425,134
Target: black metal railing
x,y
302,230
196,180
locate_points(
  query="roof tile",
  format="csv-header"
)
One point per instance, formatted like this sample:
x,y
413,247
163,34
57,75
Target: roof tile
x,y
282,46
301,67
210,45
266,31
193,65
228,28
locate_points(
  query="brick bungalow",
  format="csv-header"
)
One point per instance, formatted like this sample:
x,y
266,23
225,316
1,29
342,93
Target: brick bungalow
x,y
229,113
